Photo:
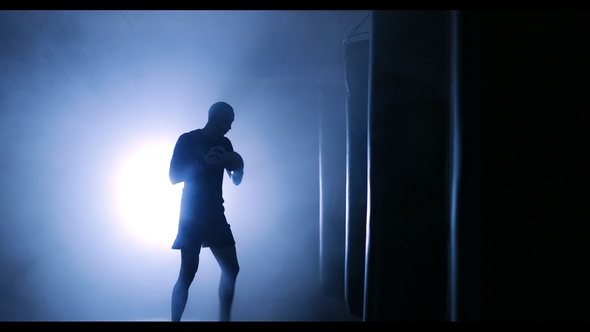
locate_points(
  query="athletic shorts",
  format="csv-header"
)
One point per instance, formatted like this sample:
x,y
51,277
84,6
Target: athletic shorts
x,y
191,239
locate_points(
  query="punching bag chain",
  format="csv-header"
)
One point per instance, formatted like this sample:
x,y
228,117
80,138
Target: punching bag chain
x,y
358,26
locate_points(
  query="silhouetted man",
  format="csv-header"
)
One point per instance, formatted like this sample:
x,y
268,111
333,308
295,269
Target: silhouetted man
x,y
199,160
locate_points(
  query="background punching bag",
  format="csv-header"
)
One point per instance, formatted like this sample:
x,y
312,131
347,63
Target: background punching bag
x,y
408,135
465,268
332,123
357,86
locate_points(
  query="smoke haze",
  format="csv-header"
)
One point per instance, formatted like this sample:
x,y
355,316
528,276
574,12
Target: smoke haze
x,y
82,91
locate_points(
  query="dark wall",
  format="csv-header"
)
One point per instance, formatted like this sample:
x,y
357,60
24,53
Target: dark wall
x,y
534,85
522,226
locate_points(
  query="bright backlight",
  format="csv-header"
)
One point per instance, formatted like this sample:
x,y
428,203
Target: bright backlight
x,y
148,202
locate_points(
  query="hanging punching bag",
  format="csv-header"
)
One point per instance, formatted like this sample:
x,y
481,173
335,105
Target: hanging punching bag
x,y
465,180
408,134
357,85
332,158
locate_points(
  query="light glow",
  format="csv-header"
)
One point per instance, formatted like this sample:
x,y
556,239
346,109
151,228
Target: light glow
x,y
149,204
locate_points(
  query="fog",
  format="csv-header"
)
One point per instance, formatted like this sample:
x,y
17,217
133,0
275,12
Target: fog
x,y
82,92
